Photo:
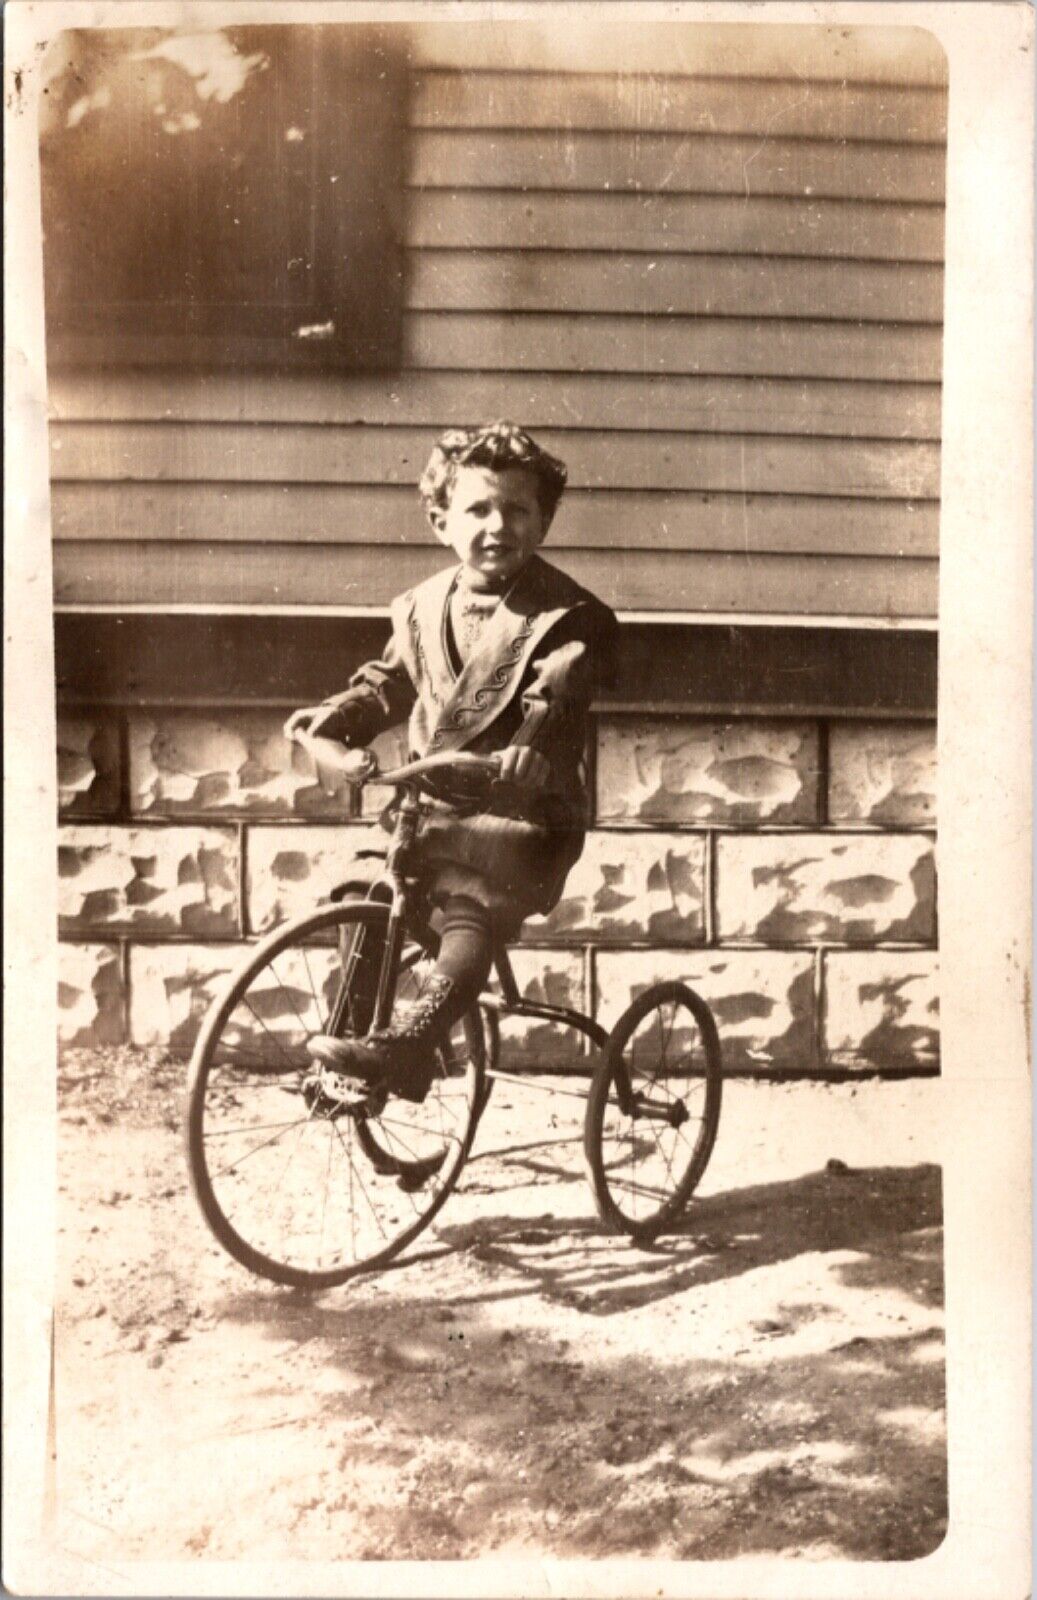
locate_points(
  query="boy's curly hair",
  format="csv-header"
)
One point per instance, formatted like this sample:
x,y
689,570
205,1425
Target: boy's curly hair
x,y
496,445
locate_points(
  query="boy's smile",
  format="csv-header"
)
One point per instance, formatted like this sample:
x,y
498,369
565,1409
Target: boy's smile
x,y
494,522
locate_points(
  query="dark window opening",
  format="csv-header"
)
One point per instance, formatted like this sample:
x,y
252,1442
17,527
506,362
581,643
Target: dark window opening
x,y
224,196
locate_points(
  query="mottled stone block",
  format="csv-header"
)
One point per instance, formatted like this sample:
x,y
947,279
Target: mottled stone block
x,y
764,1004
882,1009
153,880
692,770
91,1002
624,886
194,762
883,772
88,765
631,886
547,977
172,987
291,869
825,889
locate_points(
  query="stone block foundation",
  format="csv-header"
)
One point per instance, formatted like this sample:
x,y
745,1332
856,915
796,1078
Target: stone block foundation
x,y
685,770
763,1002
152,880
91,995
784,867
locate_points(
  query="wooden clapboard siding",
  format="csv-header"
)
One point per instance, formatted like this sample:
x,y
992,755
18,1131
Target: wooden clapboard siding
x,y
174,573
435,400
226,514
246,453
662,103
801,53
676,163
712,286
704,264
773,348
545,342
474,219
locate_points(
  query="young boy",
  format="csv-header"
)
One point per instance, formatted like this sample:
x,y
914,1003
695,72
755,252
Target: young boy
x,y
502,653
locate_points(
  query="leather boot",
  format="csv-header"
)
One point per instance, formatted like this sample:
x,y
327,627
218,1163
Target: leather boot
x,y
403,1055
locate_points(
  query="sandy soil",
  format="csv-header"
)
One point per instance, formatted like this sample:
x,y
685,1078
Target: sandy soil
x,y
770,1380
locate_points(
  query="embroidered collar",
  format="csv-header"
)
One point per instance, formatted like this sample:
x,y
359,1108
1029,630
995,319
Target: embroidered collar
x,y
470,701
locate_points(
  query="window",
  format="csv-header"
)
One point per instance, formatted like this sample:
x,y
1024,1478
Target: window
x,y
223,196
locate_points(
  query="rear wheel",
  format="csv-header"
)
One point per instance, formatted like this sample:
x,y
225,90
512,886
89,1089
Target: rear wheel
x,y
653,1110
300,1177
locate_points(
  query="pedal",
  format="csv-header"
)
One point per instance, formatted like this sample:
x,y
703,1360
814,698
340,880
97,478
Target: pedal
x,y
347,1091
411,1182
418,1173
330,1094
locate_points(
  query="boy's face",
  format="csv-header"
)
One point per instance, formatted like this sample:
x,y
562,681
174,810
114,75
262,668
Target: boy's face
x,y
494,521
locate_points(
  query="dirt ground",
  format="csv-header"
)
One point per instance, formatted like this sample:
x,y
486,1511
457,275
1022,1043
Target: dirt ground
x,y
768,1381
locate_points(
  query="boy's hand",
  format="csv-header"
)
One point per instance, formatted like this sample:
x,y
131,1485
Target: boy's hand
x,y
315,720
526,769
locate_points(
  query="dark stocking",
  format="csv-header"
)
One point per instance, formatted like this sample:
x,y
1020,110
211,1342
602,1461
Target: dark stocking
x,y
465,946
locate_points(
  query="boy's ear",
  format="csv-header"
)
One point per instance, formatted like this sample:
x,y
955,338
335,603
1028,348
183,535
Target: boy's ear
x,y
437,520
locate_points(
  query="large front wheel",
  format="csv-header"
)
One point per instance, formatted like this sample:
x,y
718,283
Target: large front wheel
x,y
300,1180
653,1110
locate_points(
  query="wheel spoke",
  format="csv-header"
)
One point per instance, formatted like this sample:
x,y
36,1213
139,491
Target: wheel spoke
x,y
293,1152
252,1127
348,1155
370,1204
392,1122
324,1199
287,989
321,1017
271,1036
240,1160
385,1123
633,1143
414,1204
668,1159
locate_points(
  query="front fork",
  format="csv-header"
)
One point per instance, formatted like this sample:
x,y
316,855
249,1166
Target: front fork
x,y
403,837
390,961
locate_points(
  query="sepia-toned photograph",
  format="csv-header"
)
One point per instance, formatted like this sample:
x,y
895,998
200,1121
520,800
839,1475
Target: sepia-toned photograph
x,y
495,514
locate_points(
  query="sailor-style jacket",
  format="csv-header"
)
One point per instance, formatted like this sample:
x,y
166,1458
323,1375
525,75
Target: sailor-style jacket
x,y
537,664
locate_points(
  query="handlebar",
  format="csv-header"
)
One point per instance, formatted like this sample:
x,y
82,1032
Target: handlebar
x,y
456,760
359,766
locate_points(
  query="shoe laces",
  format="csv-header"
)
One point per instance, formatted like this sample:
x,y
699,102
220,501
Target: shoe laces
x,y
421,1014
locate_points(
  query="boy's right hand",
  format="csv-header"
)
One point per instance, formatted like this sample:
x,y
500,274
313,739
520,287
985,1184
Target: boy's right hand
x,y
318,720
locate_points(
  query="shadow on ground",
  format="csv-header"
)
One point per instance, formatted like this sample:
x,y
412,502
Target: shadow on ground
x,y
486,1432
490,1437
864,1210
768,1380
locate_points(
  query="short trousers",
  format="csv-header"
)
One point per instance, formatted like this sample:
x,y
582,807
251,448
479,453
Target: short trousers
x,y
514,868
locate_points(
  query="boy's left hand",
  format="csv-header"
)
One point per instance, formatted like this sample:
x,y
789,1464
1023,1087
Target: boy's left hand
x,y
526,769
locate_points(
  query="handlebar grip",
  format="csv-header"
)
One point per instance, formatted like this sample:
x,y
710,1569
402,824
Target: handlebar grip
x,y
359,766
329,756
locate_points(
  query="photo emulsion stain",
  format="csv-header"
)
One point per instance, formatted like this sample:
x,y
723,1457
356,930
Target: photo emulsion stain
x,y
551,411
